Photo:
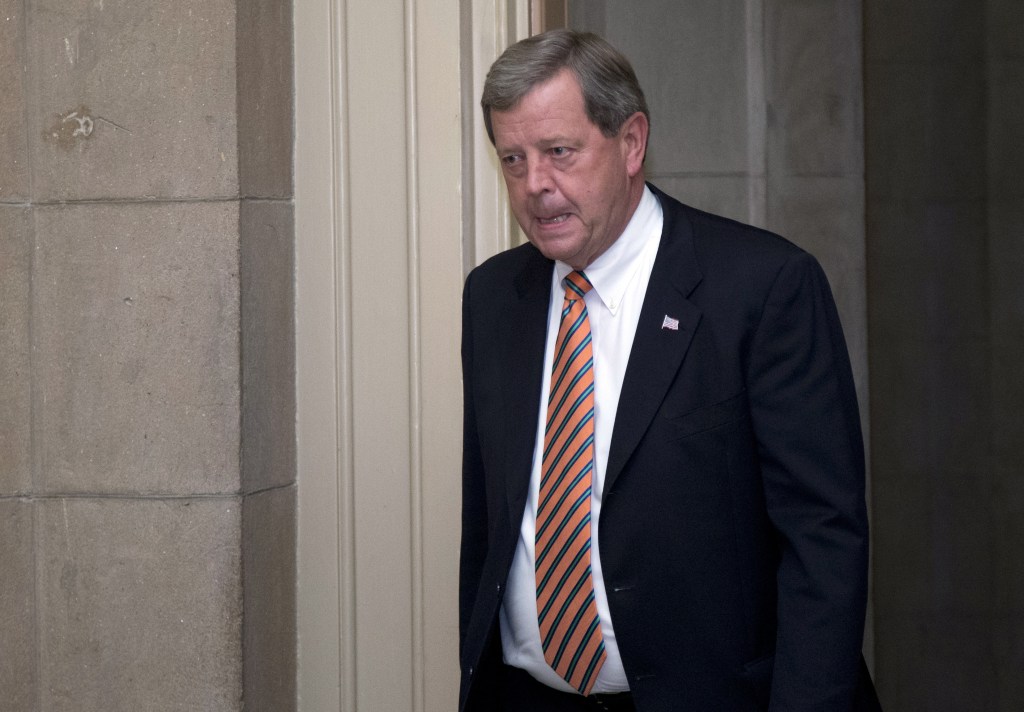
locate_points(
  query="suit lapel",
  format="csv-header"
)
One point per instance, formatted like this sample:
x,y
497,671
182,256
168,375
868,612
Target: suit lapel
x,y
658,349
523,336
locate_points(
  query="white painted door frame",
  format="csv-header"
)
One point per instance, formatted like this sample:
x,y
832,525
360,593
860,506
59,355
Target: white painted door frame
x,y
396,196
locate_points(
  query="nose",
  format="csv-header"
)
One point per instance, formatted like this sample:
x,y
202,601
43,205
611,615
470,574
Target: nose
x,y
538,178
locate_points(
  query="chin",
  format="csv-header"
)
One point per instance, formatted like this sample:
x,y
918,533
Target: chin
x,y
556,254
556,249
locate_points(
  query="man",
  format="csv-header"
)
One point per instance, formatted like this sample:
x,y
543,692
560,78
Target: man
x,y
663,480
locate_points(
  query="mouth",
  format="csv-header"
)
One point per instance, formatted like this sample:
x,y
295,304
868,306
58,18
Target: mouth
x,y
556,220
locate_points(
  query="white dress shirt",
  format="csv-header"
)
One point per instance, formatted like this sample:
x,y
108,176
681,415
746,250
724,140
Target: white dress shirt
x,y
620,276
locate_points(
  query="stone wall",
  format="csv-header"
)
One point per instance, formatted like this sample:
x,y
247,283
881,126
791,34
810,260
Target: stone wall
x,y
147,459
756,114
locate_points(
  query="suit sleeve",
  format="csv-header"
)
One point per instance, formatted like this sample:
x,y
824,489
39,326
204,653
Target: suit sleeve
x,y
474,507
806,421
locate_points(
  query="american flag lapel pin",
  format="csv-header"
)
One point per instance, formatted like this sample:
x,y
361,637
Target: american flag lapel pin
x,y
670,323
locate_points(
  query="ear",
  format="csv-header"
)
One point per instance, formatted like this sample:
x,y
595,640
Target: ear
x,y
633,135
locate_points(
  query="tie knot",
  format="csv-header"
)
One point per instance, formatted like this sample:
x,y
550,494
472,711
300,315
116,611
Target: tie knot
x,y
576,285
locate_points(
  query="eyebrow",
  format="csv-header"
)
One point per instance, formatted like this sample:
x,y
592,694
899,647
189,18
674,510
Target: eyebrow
x,y
542,144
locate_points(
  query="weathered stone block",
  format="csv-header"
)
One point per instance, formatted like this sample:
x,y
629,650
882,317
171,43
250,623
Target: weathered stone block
x,y
136,348
15,381
268,344
140,604
18,672
13,138
133,100
268,544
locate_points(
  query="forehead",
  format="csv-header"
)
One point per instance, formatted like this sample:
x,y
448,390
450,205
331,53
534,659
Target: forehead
x,y
552,107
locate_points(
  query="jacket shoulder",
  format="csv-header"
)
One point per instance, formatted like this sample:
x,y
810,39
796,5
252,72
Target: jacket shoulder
x,y
510,261
517,269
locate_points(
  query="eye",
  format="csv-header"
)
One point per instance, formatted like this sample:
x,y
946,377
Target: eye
x,y
511,159
559,151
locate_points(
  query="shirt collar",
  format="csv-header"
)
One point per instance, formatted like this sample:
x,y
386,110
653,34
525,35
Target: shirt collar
x,y
613,270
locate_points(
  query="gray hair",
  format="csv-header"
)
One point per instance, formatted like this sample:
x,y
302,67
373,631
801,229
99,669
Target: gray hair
x,y
611,92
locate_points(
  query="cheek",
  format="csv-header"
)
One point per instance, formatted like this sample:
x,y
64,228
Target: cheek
x,y
596,205
584,194
515,192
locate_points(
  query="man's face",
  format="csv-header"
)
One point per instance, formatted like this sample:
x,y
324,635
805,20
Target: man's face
x,y
572,189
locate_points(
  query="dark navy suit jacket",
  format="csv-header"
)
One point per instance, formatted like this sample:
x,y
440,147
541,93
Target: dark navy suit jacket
x,y
734,539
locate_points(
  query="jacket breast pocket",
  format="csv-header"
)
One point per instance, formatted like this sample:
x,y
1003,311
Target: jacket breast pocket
x,y
708,417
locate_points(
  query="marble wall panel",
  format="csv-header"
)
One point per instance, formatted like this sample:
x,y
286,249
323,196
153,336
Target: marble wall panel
x,y
136,345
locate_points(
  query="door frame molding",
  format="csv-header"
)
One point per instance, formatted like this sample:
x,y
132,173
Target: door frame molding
x,y
456,215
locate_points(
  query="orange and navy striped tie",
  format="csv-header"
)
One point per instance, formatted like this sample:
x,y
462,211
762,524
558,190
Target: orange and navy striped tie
x,y
570,629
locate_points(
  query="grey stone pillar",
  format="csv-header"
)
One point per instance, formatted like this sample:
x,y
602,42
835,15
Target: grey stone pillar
x,y
1005,136
945,179
147,460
